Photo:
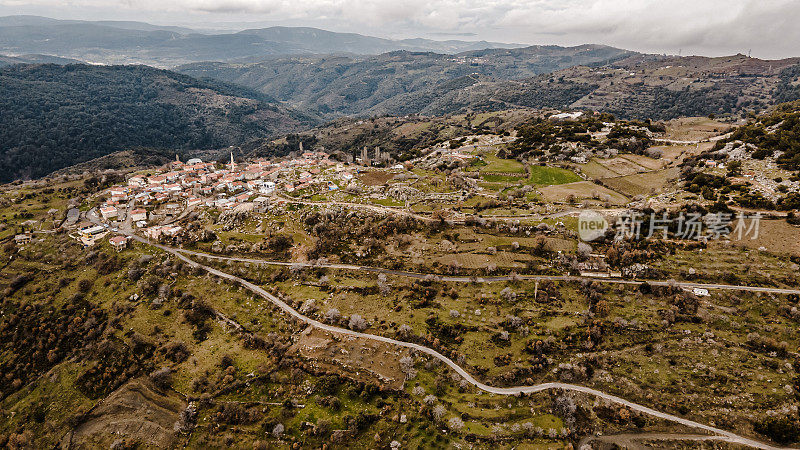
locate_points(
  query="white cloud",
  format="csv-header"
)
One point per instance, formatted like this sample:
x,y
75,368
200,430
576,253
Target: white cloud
x,y
696,26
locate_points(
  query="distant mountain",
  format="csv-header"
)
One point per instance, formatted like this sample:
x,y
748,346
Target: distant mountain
x,y
56,116
38,21
315,41
118,42
398,82
641,86
627,84
35,59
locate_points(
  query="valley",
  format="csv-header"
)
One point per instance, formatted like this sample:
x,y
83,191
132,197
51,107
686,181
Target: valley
x,y
259,233
450,290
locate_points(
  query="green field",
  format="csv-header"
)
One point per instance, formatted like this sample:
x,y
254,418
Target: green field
x,y
495,164
546,176
492,178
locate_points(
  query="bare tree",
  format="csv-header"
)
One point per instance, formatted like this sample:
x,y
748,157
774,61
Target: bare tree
x,y
584,250
456,424
405,331
438,412
357,323
383,286
332,315
162,377
308,306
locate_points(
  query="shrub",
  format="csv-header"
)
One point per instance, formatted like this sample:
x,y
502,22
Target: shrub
x,y
357,323
783,430
162,377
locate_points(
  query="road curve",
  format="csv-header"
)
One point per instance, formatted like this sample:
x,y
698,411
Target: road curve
x,y
719,434
489,279
693,142
423,218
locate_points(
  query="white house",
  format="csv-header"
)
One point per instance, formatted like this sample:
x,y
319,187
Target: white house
x,y
22,239
118,191
267,188
138,215
118,242
566,116
108,212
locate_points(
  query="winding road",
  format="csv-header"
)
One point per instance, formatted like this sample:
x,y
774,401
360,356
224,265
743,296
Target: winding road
x,y
695,141
717,433
489,279
423,218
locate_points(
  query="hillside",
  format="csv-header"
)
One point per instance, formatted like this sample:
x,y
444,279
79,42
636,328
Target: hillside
x,y
394,83
641,87
34,59
119,42
774,135
589,77
57,116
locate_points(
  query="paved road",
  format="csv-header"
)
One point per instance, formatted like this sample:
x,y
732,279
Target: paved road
x,y
633,440
489,279
711,139
371,207
452,221
719,434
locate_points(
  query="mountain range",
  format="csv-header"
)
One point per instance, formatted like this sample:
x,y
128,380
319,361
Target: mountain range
x,y
55,116
35,59
397,82
627,84
120,42
259,83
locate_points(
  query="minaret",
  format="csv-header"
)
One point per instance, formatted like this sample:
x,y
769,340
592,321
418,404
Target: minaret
x,y
364,156
233,164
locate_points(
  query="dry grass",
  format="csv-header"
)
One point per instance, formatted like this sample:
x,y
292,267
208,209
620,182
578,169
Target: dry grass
x,y
647,183
695,128
623,165
595,170
582,190
776,236
645,161
375,178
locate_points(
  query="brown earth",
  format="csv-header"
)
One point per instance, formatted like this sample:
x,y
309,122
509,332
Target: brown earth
x,y
376,178
137,412
359,359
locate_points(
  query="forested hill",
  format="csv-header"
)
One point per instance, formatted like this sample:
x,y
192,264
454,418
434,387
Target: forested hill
x,y
598,78
55,116
395,83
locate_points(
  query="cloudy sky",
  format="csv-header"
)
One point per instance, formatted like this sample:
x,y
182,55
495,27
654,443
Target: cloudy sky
x,y
707,27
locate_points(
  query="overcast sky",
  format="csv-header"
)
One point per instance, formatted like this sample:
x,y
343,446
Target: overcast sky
x,y
707,27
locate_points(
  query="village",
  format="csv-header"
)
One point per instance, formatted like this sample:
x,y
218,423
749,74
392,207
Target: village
x,y
466,247
151,201
180,187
